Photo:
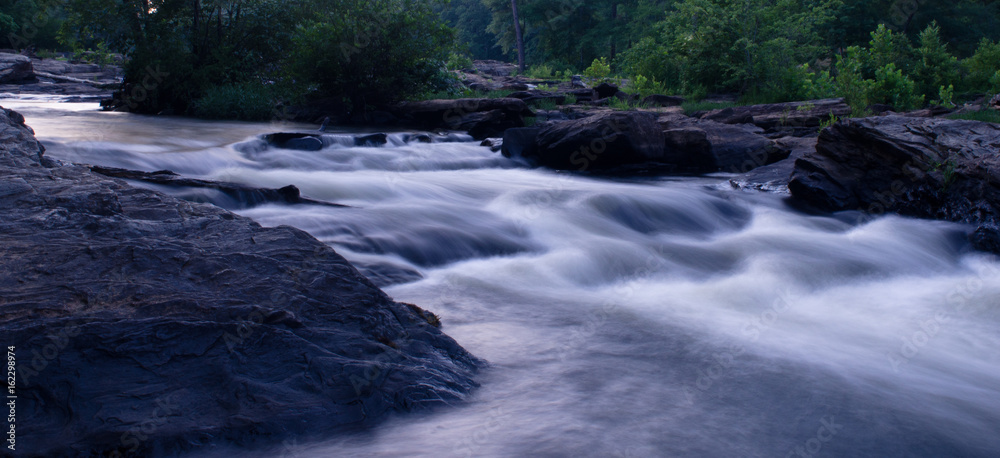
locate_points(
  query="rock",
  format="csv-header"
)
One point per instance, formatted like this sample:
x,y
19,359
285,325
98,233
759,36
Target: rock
x,y
994,103
482,118
730,148
494,144
535,96
605,90
796,118
146,325
663,101
520,143
577,82
689,149
600,142
774,177
922,167
583,95
371,140
729,116
295,140
15,69
495,67
245,196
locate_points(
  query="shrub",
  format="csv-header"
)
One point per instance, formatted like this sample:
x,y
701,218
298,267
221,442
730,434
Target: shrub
x,y
982,67
887,47
935,66
647,86
851,84
598,70
249,102
894,88
650,59
540,71
458,61
946,96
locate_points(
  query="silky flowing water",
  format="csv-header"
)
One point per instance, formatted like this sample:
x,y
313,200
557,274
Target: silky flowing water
x,y
620,317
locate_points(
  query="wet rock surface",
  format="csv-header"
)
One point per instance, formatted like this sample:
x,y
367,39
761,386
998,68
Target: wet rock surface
x,y
924,167
146,325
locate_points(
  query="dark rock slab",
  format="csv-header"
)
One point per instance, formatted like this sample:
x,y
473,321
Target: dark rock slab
x,y
923,167
774,177
520,143
482,118
600,142
15,69
146,325
248,196
539,96
795,118
605,90
703,146
300,141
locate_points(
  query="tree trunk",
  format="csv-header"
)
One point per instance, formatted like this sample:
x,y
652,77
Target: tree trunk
x,y
614,28
520,37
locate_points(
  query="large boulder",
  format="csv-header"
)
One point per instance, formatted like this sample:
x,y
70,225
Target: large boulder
x,y
798,118
604,141
15,69
701,146
145,325
931,168
482,118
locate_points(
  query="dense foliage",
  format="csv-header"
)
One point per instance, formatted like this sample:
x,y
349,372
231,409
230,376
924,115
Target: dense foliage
x,y
899,52
239,58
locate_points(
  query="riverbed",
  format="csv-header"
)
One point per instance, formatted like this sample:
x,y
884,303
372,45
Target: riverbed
x,y
621,317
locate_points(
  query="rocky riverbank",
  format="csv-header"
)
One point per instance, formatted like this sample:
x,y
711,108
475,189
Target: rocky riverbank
x,y
145,325
77,81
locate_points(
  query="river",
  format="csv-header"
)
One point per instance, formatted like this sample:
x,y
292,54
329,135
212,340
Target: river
x,y
621,317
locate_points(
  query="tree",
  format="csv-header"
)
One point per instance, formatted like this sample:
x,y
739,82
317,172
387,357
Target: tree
x,y
520,36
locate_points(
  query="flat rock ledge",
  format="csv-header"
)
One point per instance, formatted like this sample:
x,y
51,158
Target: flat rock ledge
x,y
146,325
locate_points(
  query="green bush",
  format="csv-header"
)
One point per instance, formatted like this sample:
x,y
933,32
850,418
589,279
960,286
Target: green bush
x,y
893,88
851,83
248,102
458,61
986,115
935,66
598,70
647,86
946,96
887,47
982,67
652,60
540,71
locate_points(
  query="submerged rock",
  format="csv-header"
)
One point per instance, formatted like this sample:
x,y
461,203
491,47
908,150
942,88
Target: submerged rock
x,y
929,168
149,325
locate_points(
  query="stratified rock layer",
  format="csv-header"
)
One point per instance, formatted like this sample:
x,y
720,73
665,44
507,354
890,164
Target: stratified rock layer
x,y
146,325
929,168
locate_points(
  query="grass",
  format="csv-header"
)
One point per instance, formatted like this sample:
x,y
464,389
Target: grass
x,y
545,104
622,105
985,115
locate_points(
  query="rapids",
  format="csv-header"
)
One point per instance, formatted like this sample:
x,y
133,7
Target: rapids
x,y
621,317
